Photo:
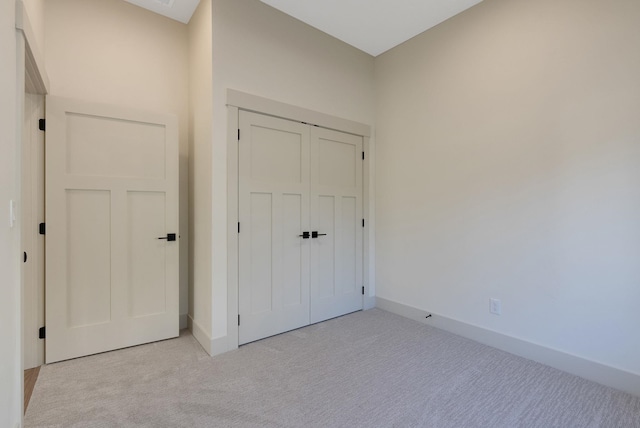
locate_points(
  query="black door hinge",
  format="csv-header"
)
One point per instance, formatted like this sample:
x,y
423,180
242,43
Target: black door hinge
x,y
238,319
238,227
42,124
362,222
238,134
363,290
362,155
42,333
42,228
24,257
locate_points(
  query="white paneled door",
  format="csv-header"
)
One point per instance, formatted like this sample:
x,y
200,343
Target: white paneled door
x,y
111,225
274,211
336,216
300,233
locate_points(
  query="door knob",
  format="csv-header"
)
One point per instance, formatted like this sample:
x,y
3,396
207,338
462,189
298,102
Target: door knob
x,y
169,237
316,234
305,235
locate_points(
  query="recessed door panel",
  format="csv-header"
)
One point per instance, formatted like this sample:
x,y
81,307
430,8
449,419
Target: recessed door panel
x,y
146,253
325,263
114,147
261,264
348,277
275,155
292,283
88,279
336,163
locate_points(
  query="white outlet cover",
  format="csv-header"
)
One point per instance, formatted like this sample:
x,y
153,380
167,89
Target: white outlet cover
x,y
12,213
495,306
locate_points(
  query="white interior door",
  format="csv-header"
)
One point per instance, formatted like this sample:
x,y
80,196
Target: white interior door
x,y
274,211
336,216
295,179
111,195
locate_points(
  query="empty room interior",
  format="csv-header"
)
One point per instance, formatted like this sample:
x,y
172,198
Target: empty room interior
x,y
256,213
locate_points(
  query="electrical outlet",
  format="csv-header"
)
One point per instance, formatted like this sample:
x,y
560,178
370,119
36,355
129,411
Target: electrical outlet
x,y
495,306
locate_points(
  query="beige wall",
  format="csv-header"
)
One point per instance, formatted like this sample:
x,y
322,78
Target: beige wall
x,y
261,51
112,52
508,147
10,302
200,134
35,11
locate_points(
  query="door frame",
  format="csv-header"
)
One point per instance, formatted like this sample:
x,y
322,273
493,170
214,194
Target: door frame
x,y
32,79
30,76
237,101
32,213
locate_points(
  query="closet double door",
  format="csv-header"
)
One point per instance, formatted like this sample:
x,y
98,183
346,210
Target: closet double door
x,y
300,225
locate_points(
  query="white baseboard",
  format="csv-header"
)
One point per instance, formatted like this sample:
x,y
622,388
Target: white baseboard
x,y
184,322
369,303
579,366
200,335
213,347
219,346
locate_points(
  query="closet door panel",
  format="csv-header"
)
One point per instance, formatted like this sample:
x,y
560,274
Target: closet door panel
x,y
273,213
336,216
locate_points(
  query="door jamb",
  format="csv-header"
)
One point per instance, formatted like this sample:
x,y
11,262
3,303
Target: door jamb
x,y
237,101
33,79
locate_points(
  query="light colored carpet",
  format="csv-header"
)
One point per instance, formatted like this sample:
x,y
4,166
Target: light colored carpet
x,y
368,369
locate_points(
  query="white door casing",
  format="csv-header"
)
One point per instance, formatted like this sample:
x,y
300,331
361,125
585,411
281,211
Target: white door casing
x,y
296,178
112,192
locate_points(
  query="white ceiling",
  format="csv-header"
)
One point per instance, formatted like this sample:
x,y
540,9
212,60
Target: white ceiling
x,y
373,26
180,10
